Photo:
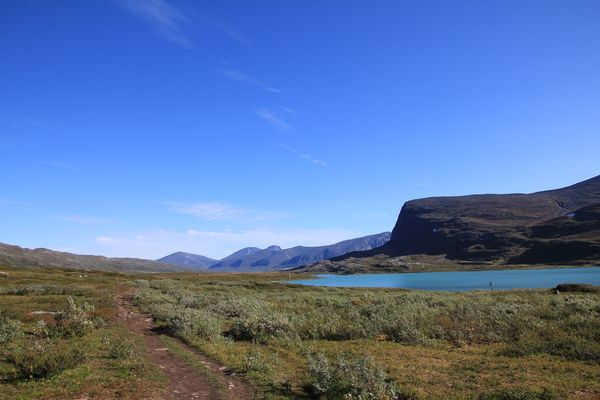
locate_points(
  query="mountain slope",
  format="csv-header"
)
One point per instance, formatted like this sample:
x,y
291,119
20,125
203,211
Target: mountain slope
x,y
574,236
188,260
274,257
16,256
492,228
483,227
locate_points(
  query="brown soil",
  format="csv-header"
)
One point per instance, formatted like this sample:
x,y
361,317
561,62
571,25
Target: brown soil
x,y
184,380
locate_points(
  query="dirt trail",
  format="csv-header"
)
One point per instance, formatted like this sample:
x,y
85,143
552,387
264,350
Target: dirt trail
x,y
185,381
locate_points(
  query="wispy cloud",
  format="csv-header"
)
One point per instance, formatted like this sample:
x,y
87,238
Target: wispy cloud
x,y
304,156
217,212
228,31
289,111
154,244
239,76
273,118
163,17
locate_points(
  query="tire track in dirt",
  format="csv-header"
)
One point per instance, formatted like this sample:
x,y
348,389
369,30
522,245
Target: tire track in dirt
x,y
185,381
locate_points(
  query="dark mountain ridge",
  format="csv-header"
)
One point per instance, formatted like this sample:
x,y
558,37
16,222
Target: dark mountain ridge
x,y
553,226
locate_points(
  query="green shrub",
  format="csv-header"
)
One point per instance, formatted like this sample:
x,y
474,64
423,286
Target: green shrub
x,y
10,330
556,342
41,290
518,394
347,378
74,320
261,326
191,322
235,308
44,358
255,362
118,347
41,330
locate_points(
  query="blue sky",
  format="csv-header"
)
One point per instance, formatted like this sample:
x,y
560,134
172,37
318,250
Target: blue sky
x,y
144,127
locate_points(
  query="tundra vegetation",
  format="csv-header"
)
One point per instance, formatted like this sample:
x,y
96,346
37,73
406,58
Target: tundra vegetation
x,y
60,339
290,341
341,343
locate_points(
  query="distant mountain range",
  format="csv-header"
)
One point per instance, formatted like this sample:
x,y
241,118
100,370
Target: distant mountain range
x,y
560,227
188,260
554,227
274,257
247,259
16,256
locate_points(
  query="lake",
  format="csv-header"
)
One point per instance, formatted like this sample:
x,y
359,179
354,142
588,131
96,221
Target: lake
x,y
461,281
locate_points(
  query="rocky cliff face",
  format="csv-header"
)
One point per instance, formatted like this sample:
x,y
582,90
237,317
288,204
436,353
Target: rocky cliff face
x,y
489,227
559,226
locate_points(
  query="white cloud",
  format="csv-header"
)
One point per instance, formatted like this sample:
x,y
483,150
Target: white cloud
x,y
164,18
217,244
313,160
227,30
217,212
273,118
304,156
289,111
238,76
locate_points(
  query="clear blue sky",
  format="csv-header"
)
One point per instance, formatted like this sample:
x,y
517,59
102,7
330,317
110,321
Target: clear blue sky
x,y
143,127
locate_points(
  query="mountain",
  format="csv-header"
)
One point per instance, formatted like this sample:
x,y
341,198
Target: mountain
x,y
188,260
549,227
274,257
16,256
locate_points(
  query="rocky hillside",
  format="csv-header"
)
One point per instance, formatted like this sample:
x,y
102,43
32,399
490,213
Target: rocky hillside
x,y
550,227
16,256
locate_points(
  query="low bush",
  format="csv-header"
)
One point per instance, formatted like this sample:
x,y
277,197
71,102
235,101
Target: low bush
x,y
44,358
185,322
577,287
256,362
556,342
518,394
10,330
74,319
235,308
41,290
347,378
261,326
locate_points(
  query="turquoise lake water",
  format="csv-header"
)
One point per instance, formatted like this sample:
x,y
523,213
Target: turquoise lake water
x,y
461,281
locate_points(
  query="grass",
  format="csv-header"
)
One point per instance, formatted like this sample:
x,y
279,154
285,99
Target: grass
x,y
310,342
430,345
71,358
